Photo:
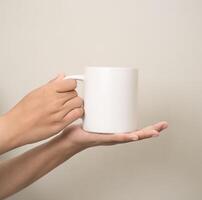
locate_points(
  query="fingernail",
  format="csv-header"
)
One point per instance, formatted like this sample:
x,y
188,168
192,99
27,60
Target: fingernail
x,y
135,138
155,133
165,126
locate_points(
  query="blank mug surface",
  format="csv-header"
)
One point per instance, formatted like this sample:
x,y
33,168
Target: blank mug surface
x,y
110,99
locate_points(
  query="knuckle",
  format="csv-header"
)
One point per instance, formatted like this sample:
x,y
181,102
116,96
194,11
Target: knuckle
x,y
56,105
52,85
125,138
78,112
57,117
72,83
120,138
74,93
43,91
142,132
79,100
115,139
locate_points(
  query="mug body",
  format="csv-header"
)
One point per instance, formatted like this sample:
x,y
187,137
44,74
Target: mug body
x,y
110,99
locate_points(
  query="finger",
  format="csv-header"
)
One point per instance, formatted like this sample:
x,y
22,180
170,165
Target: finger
x,y
73,115
150,131
58,77
120,138
61,76
158,126
71,95
73,103
161,126
52,80
65,85
111,139
67,96
146,133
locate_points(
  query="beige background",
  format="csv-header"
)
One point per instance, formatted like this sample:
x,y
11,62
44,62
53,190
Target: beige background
x,y
39,38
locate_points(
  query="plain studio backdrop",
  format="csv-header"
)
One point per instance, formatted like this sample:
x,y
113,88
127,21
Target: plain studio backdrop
x,y
162,38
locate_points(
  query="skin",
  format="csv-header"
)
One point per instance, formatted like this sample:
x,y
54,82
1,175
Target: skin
x,y
41,114
44,158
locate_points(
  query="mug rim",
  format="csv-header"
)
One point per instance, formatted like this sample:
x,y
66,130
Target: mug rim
x,y
111,67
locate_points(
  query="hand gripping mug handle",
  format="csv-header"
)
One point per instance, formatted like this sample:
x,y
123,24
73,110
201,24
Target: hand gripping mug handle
x,y
79,77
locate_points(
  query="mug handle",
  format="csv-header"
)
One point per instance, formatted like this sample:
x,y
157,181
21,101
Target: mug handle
x,y
79,77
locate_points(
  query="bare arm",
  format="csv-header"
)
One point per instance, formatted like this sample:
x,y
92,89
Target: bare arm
x,y
41,114
19,172
6,137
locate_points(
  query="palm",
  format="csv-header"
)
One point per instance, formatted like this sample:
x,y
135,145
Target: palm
x,y
80,137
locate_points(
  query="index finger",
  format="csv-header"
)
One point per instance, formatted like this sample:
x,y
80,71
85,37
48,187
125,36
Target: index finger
x,y
148,132
65,85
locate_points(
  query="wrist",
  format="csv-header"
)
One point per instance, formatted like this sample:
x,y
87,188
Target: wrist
x,y
67,146
8,139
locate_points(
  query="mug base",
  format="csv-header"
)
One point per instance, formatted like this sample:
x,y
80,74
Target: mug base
x,y
107,132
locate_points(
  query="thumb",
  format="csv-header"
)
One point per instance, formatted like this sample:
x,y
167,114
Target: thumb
x,y
58,77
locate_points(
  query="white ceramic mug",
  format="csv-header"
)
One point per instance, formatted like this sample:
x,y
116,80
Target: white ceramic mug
x,y
110,99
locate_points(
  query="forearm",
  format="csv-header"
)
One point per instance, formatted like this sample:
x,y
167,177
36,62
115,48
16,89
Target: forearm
x,y
7,135
19,172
